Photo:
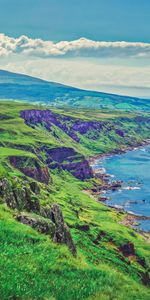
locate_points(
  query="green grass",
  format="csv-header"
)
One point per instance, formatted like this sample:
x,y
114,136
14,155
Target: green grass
x,y
42,269
31,265
7,152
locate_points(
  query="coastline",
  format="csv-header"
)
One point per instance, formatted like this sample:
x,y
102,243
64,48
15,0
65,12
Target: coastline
x,y
93,158
126,218
129,219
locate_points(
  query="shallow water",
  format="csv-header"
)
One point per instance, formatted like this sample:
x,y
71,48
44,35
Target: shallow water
x,y
133,168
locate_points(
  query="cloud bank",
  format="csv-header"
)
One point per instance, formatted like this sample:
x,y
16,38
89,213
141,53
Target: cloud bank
x,y
117,67
78,48
93,74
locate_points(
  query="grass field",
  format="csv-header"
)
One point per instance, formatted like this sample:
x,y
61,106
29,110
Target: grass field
x,y
32,266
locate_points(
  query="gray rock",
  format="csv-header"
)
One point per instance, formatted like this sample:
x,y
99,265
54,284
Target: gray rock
x,y
40,224
62,232
18,195
34,187
21,195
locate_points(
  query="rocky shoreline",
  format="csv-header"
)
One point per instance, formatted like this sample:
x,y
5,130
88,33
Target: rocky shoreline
x,y
122,150
97,192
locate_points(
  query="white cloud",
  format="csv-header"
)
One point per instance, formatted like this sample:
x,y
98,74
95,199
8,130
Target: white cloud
x,y
117,67
95,74
78,48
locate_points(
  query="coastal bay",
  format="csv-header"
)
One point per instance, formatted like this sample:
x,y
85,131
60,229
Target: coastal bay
x,y
132,169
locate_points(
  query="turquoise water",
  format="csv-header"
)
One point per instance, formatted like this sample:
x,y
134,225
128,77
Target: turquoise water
x,y
133,168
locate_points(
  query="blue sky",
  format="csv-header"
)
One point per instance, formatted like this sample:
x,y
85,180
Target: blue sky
x,y
89,63
71,19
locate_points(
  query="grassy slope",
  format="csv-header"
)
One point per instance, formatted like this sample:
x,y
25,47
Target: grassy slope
x,y
31,266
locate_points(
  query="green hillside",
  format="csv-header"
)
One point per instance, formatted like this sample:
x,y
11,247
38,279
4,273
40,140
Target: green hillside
x,y
41,151
26,88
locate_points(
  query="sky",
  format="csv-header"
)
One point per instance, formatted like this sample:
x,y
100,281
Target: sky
x,y
107,42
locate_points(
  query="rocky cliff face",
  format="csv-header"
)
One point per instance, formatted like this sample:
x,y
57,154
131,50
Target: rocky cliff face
x,y
68,159
31,167
62,157
82,131
69,125
48,118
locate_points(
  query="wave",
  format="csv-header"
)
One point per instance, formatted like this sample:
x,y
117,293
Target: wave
x,y
131,188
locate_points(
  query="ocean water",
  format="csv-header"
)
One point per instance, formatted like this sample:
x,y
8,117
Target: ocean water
x,y
133,168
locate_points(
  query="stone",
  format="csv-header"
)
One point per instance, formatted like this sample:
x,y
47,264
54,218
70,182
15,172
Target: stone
x,y
34,187
127,249
84,227
69,241
62,233
21,195
40,224
18,195
142,261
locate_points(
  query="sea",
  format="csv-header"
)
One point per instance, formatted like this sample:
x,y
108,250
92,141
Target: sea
x,y
133,169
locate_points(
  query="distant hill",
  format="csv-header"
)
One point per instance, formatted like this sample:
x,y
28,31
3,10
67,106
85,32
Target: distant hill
x,y
22,87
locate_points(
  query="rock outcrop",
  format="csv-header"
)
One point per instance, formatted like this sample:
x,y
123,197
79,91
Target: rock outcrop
x,y
18,195
62,233
68,124
54,226
83,227
23,195
31,167
127,249
40,224
68,159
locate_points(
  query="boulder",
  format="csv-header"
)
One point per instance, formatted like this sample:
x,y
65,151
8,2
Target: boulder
x,y
40,224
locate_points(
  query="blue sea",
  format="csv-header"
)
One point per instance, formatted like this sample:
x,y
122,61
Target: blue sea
x,y
133,168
